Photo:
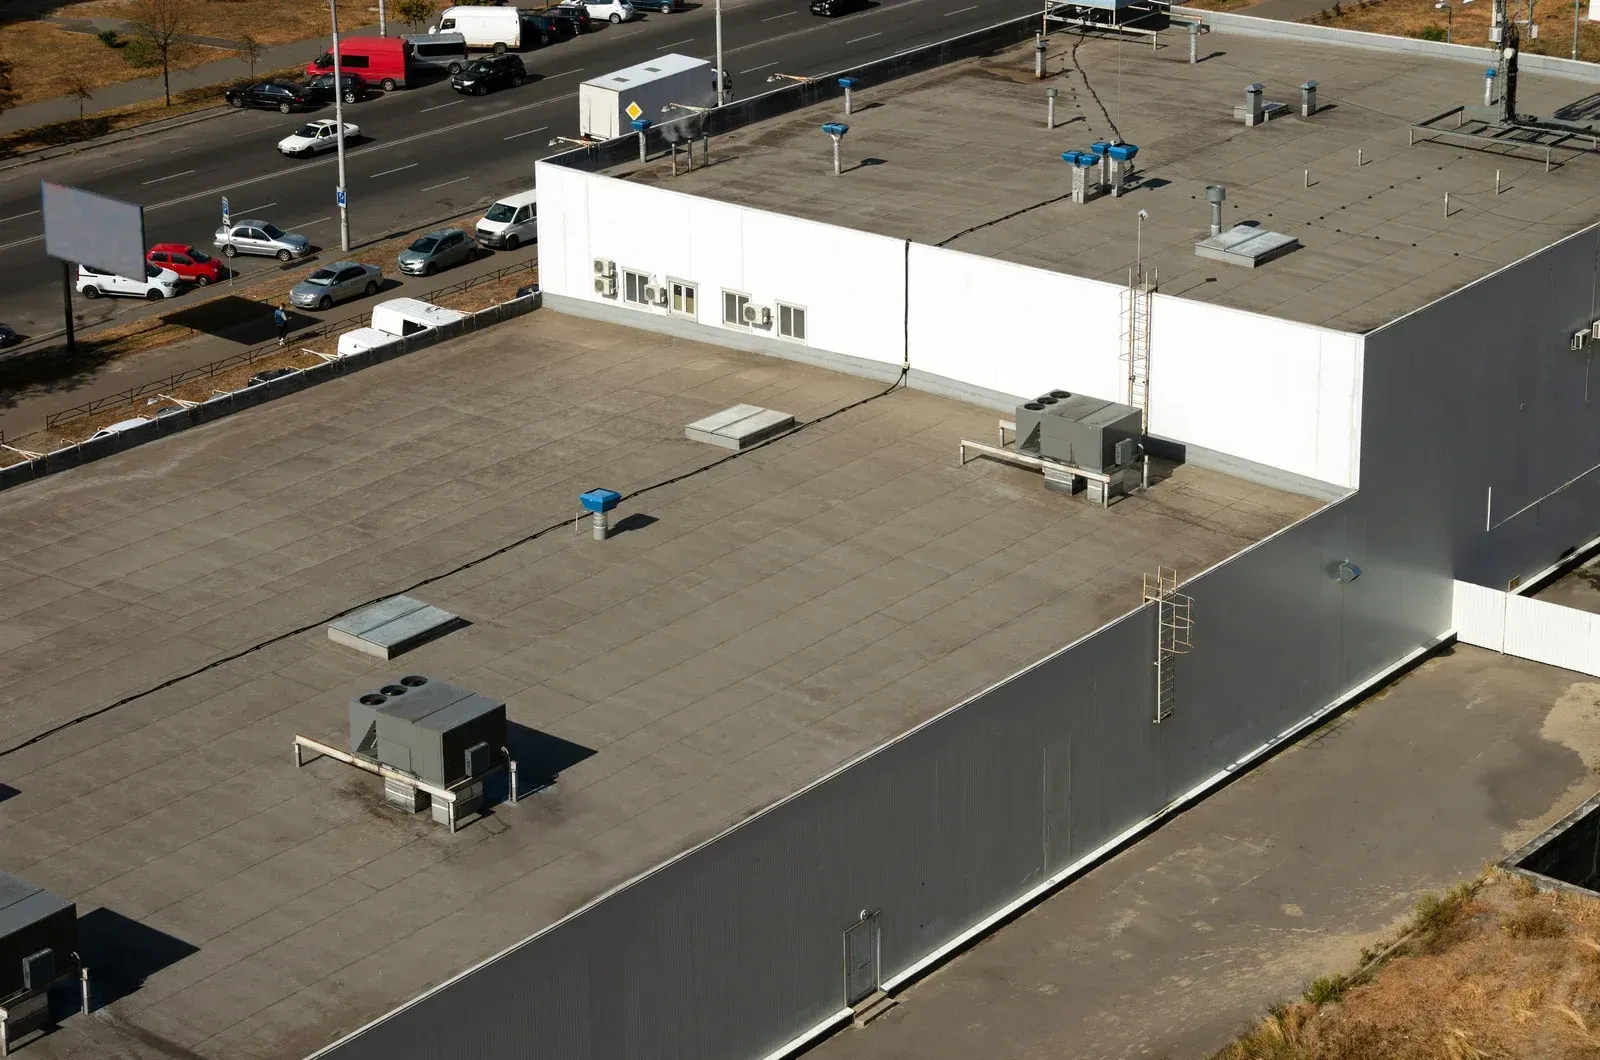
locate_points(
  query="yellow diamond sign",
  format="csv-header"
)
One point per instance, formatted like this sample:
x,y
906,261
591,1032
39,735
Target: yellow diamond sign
x,y
634,111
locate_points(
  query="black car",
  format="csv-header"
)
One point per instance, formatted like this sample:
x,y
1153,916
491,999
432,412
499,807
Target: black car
x,y
320,88
490,72
278,95
568,18
835,8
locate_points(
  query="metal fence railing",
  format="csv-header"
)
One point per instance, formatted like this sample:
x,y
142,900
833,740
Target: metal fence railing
x,y
260,351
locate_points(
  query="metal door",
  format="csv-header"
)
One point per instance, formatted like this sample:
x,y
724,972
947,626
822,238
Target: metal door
x,y
861,959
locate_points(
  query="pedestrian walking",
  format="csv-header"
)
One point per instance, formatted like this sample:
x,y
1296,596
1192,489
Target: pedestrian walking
x,y
281,318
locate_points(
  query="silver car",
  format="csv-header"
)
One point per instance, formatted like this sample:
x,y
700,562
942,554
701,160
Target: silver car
x,y
438,250
337,282
260,237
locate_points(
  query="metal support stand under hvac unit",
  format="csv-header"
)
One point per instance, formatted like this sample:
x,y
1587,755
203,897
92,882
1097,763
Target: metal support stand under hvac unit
x,y
1100,486
1132,17
1174,624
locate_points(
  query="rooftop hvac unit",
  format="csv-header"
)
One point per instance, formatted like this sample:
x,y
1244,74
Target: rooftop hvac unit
x,y
1580,339
605,286
602,267
758,316
655,295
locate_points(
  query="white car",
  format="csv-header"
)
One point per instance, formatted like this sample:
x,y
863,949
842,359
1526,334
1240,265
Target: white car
x,y
157,283
314,136
614,10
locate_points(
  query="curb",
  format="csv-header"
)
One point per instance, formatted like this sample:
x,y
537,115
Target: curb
x,y
132,132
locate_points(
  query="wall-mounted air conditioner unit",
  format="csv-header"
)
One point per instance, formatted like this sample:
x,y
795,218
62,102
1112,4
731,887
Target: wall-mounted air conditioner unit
x,y
605,286
655,295
1580,339
1594,330
602,267
758,316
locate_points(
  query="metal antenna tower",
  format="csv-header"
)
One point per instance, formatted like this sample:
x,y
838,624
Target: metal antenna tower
x,y
1174,623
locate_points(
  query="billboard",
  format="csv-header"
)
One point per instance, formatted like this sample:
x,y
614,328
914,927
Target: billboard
x,y
94,230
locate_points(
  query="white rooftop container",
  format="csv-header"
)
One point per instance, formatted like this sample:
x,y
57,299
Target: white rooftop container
x,y
608,104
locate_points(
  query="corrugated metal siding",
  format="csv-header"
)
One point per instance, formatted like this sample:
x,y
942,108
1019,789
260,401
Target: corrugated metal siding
x,y
1551,633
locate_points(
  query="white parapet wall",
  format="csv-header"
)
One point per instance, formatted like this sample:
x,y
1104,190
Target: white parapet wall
x,y
1272,392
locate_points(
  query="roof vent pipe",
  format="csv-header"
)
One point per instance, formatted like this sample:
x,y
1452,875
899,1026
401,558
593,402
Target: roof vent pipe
x,y
1215,193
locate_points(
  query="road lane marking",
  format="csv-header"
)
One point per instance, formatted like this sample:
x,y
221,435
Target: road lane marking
x,y
674,44
19,216
308,224
446,184
253,209
453,102
529,132
961,10
169,176
119,165
858,40
564,73
753,69
775,18
397,169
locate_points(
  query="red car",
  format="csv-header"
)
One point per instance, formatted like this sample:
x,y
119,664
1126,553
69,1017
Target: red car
x,y
192,264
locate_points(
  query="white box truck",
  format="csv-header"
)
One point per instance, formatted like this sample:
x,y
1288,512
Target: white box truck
x,y
488,28
608,105
394,319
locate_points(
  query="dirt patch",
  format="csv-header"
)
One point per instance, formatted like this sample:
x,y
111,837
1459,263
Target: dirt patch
x,y
268,21
1467,24
1493,969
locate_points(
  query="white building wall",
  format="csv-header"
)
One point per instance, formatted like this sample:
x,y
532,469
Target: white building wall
x,y
1273,392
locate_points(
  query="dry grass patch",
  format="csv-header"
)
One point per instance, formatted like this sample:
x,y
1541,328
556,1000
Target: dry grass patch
x,y
45,60
268,21
1468,24
1493,971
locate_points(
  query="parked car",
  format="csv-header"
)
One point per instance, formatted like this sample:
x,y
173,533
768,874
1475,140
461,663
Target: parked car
x,y
438,51
490,72
276,95
487,27
192,264
835,8
337,282
512,221
315,136
155,284
356,89
666,7
269,375
571,19
259,237
118,427
438,250
384,61
614,11
541,28
7,335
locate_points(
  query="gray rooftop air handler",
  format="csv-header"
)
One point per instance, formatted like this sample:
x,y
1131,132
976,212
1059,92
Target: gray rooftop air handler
x,y
1030,418
1079,430
39,937
437,732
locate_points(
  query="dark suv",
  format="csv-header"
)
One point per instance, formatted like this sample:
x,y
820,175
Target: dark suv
x,y
572,19
278,95
320,88
835,8
490,72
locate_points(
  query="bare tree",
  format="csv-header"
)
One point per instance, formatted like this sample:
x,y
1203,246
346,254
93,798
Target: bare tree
x,y
250,50
162,23
79,89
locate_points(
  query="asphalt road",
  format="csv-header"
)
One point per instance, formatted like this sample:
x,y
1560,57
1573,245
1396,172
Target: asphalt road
x,y
426,152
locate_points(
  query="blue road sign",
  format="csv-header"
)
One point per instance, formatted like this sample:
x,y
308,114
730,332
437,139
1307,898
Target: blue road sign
x,y
224,209
340,197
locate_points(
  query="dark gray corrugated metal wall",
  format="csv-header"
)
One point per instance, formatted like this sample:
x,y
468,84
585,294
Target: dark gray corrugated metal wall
x,y
735,949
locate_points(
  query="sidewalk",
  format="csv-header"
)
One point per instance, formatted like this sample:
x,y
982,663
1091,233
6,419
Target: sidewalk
x,y
24,411
295,53
1171,947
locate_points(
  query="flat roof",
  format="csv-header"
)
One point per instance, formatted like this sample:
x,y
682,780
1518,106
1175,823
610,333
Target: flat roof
x,y
647,71
960,157
749,628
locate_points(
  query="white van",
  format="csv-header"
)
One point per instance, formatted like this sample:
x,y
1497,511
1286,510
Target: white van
x,y
511,222
396,318
493,28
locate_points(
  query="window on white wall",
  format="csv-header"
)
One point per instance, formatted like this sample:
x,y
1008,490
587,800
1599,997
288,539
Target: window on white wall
x,y
733,304
633,285
685,299
792,321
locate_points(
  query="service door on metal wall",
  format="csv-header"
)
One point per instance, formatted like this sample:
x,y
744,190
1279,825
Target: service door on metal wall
x,y
861,959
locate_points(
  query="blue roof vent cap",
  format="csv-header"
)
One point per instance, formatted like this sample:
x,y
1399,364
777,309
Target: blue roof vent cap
x,y
1123,152
598,500
847,82
835,128
640,124
1099,147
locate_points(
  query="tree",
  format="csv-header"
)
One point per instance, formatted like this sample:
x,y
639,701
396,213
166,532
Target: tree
x,y
80,90
250,51
416,12
163,24
8,95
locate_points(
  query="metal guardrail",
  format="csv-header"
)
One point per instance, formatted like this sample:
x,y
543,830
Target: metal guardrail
x,y
259,352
